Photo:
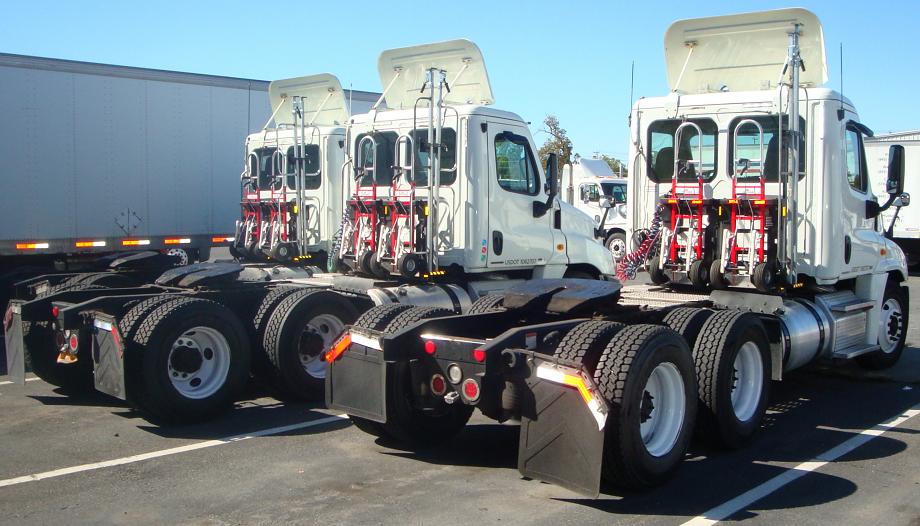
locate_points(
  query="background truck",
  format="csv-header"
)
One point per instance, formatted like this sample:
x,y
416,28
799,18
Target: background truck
x,y
610,382
443,203
102,160
906,230
595,190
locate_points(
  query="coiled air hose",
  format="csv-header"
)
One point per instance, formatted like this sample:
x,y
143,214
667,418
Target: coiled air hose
x,y
629,266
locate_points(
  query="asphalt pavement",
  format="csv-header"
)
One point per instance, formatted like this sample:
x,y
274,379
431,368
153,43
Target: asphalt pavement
x,y
838,446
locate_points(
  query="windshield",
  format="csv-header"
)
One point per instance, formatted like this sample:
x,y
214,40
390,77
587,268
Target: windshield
x,y
615,191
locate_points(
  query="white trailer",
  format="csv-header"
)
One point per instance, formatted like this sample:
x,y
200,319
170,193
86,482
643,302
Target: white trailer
x,y
906,229
100,159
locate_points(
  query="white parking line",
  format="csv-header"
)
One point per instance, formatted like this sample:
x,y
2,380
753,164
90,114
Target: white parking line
x,y
8,382
729,508
171,451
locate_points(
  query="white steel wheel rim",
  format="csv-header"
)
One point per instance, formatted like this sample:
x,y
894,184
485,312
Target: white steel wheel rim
x,y
617,247
318,336
662,409
198,362
180,253
747,381
892,326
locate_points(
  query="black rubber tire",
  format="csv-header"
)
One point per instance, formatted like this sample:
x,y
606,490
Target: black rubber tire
x,y
364,261
284,252
262,367
487,303
764,278
127,329
687,321
721,337
74,378
879,359
610,241
586,342
153,342
716,279
655,273
621,377
408,425
377,318
409,265
699,274
413,315
283,338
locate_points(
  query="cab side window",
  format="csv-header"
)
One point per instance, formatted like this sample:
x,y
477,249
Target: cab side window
x,y
590,192
855,159
515,165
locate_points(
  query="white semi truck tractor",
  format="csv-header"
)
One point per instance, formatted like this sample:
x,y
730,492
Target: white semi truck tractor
x,y
441,202
750,178
595,190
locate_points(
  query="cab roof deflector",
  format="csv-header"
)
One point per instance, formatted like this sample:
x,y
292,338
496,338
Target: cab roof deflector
x,y
403,72
323,99
744,52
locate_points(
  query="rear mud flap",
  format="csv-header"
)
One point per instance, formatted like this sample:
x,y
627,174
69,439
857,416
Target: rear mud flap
x,y
108,357
15,347
562,437
356,383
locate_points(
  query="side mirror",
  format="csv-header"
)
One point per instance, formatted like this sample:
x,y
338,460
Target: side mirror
x,y
605,203
551,187
552,175
902,200
895,183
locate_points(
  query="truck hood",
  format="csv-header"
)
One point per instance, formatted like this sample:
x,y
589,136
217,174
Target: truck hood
x,y
744,52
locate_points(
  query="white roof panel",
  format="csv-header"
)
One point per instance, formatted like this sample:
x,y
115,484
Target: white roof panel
x,y
324,101
742,52
406,69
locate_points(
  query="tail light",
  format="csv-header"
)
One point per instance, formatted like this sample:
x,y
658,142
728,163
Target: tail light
x,y
430,347
438,385
55,311
479,355
471,390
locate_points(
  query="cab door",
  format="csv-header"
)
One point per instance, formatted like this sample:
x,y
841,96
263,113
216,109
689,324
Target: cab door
x,y
516,237
861,238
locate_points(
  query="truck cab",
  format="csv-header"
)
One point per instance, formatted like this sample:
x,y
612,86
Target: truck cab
x,y
595,190
497,211
291,181
736,129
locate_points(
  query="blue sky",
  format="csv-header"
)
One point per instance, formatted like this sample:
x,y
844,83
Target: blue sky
x,y
569,58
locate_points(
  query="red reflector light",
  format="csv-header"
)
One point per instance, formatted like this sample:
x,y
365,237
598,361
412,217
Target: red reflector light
x,y
430,347
479,355
339,347
55,311
74,342
471,390
438,385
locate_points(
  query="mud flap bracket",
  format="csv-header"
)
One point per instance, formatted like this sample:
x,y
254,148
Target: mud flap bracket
x,y
15,347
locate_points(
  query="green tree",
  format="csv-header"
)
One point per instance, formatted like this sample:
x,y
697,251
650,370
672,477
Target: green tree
x,y
614,163
558,142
